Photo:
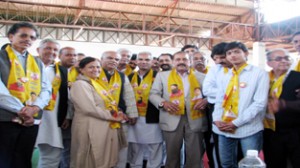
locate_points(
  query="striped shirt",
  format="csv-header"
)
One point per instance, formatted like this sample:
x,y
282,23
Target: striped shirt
x,y
253,98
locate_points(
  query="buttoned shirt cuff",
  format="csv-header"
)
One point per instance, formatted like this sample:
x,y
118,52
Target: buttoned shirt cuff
x,y
236,123
39,103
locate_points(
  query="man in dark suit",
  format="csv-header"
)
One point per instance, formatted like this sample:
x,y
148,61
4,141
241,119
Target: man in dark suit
x,y
282,121
55,113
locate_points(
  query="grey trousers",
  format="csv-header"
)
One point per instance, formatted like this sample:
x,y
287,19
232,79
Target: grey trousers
x,y
122,160
193,142
49,156
136,155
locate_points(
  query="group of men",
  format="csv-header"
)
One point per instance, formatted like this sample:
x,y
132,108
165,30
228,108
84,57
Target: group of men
x,y
174,103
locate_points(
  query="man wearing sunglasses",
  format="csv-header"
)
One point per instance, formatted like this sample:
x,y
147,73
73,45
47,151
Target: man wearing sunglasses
x,y
281,134
22,75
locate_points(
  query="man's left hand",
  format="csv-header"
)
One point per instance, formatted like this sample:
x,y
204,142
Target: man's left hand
x,y
200,104
229,127
132,121
28,111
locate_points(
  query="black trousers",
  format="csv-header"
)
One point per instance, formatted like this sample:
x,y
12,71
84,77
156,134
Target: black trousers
x,y
280,146
16,145
209,146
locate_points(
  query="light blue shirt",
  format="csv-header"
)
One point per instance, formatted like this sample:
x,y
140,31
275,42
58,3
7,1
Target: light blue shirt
x,y
13,104
211,81
253,98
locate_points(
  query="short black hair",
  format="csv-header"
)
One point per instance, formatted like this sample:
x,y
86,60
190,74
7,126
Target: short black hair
x,y
189,46
86,61
15,27
167,54
295,34
133,57
4,46
235,44
81,54
174,84
218,49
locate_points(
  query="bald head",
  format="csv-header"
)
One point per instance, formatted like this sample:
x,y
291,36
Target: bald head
x,y
67,56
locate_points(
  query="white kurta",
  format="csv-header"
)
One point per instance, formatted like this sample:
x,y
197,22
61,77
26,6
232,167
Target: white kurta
x,y
143,133
49,132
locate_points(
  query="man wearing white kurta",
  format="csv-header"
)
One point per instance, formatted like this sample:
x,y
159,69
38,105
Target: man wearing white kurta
x,y
145,135
49,139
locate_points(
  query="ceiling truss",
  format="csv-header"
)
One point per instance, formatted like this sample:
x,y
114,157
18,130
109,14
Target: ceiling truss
x,y
81,23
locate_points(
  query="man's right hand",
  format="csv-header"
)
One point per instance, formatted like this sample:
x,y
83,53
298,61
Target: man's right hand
x,y
171,107
65,124
28,121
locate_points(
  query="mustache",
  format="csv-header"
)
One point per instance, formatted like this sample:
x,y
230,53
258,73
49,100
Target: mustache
x,y
199,63
181,65
168,65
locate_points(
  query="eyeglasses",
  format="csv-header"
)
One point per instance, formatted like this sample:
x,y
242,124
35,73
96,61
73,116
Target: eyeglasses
x,y
200,59
23,35
280,58
295,41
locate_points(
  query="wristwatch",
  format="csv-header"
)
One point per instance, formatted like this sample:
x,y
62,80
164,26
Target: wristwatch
x,y
161,105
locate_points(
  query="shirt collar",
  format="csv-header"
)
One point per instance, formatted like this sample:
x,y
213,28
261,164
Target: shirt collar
x,y
185,74
143,75
247,68
19,54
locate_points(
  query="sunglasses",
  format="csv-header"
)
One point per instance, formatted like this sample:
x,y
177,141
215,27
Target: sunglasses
x,y
23,35
280,58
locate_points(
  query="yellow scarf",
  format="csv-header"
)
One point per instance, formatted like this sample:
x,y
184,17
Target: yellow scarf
x,y
275,88
297,68
231,98
142,91
206,70
55,88
225,70
113,90
20,84
176,91
72,75
128,70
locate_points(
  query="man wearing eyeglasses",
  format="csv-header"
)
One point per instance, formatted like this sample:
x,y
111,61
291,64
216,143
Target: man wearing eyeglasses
x,y
21,75
296,43
282,133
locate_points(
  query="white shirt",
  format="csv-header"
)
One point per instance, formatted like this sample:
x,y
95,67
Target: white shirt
x,y
211,82
49,132
253,99
186,83
295,62
144,133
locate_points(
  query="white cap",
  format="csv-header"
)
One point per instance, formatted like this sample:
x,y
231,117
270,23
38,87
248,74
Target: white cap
x,y
252,153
